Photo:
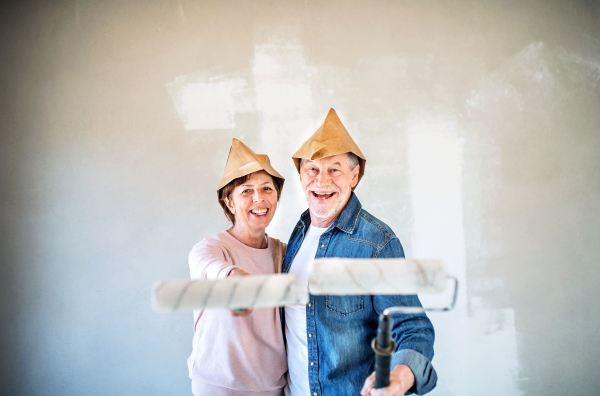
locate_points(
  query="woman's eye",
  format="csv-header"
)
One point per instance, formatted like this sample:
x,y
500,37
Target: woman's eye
x,y
268,188
245,191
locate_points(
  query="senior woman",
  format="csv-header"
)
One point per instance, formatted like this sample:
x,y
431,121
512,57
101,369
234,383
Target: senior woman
x,y
240,353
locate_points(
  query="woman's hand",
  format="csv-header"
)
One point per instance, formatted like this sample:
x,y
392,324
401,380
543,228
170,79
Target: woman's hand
x,y
242,312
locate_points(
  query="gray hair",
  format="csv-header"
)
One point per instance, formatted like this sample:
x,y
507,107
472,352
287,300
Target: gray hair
x,y
352,161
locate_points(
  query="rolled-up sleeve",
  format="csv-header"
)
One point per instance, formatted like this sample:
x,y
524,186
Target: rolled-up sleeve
x,y
425,375
413,333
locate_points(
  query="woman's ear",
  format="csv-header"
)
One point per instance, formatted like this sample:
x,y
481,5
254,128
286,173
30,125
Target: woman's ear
x,y
229,205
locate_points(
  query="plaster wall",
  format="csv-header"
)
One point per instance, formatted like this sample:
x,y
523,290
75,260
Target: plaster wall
x,y
479,121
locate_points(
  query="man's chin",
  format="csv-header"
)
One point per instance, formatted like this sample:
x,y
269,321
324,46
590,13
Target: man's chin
x,y
322,213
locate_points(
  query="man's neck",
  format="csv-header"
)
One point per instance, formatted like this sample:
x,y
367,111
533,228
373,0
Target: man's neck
x,y
321,222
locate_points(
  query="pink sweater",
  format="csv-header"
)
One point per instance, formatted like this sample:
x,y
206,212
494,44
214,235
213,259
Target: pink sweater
x,y
235,356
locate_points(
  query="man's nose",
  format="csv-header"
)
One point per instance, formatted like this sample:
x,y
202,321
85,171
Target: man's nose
x,y
322,179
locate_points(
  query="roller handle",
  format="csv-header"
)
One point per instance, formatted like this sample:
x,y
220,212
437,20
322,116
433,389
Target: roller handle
x,y
384,347
382,371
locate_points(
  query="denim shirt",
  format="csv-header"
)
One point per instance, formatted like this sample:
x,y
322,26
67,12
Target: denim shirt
x,y
340,328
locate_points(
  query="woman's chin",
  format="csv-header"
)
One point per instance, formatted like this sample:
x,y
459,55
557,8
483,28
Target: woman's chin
x,y
259,223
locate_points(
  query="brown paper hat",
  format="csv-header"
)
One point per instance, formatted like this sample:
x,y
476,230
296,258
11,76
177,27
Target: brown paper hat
x,y
242,161
330,139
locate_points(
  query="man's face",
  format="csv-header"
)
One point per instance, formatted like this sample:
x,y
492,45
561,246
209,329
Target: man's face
x,y
328,183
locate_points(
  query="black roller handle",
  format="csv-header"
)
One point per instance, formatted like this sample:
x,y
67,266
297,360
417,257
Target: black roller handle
x,y
383,346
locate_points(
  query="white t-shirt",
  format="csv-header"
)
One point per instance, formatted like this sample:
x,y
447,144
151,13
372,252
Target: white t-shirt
x,y
295,317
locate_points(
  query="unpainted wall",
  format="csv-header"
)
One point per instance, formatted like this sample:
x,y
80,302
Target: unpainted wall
x,y
479,121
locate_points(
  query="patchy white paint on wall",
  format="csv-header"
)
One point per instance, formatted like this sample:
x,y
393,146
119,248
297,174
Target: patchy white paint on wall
x,y
282,81
579,67
529,63
494,93
435,169
434,153
492,339
472,333
204,104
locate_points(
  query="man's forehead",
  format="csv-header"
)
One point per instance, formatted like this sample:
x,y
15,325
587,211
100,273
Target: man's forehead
x,y
331,160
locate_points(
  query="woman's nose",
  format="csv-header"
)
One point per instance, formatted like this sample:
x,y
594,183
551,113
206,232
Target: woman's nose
x,y
258,197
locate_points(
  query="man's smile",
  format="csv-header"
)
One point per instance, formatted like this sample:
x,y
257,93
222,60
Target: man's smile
x,y
323,196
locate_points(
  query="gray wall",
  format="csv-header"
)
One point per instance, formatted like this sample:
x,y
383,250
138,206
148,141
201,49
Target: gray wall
x,y
479,120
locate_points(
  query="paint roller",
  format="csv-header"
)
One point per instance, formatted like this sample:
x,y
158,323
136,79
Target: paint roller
x,y
236,293
328,276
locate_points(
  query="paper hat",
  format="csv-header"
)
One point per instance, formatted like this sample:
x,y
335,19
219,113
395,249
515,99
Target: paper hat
x,y
330,139
242,161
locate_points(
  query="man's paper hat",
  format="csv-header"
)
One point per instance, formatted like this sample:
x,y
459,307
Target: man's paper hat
x,y
242,161
330,139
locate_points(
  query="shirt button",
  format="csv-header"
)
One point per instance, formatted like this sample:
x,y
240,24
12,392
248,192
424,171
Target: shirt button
x,y
312,363
310,336
322,245
309,304
316,394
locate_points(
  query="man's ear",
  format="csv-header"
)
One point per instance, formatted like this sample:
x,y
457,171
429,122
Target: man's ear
x,y
229,205
355,173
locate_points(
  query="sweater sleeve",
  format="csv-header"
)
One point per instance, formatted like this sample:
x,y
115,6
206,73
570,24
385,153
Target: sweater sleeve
x,y
209,261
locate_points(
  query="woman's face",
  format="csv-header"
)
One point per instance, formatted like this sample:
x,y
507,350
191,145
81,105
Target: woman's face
x,y
254,202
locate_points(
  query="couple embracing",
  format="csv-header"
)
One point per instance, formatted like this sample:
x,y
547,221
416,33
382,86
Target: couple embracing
x,y
323,347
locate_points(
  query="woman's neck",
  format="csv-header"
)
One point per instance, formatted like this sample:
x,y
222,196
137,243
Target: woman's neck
x,y
254,239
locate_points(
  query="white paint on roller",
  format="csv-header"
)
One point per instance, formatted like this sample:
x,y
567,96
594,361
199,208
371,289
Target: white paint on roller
x,y
234,292
329,276
347,276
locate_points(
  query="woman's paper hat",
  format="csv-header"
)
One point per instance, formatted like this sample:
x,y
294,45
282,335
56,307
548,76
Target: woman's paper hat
x,y
242,161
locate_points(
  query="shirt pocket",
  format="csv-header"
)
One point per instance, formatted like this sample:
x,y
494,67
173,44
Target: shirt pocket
x,y
345,305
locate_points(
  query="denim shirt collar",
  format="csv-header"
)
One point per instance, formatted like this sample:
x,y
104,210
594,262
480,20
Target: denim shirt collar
x,y
346,221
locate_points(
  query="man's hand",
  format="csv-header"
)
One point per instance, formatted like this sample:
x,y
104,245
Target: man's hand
x,y
401,380
243,312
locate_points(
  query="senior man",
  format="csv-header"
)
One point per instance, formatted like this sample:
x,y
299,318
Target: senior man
x,y
329,338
